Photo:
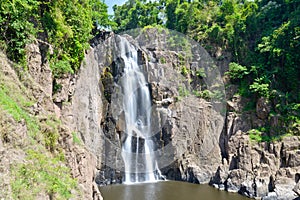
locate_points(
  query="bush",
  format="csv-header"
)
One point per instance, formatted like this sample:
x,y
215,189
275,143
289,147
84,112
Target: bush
x,y
236,71
60,67
260,135
201,73
184,71
205,94
66,25
183,92
17,27
259,86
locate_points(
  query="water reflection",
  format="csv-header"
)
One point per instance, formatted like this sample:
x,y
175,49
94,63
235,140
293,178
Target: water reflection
x,y
166,190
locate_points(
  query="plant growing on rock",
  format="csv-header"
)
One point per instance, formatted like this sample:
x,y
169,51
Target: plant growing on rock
x,y
236,71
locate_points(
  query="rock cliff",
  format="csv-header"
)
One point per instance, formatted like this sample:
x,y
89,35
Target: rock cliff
x,y
263,170
188,128
202,137
205,145
36,148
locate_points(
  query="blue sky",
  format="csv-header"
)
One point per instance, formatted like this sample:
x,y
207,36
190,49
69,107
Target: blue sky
x,y
111,3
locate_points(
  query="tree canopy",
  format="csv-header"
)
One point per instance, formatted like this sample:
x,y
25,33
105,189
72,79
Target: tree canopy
x,y
66,25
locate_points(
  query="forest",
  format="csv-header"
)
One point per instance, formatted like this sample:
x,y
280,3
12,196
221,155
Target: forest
x,y
262,37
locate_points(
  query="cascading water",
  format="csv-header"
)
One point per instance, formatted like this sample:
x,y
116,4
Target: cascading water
x,y
137,146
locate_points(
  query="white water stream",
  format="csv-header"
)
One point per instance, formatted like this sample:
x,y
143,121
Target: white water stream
x,y
137,147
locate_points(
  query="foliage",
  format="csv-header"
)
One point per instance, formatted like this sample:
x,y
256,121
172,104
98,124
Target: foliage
x,y
19,111
16,26
16,109
205,94
76,139
201,73
66,25
263,38
243,88
162,60
136,14
256,135
183,91
237,71
184,71
60,67
259,135
261,87
41,173
292,119
250,106
50,132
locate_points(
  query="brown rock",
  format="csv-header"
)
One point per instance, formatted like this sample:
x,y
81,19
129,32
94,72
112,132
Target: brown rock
x,y
262,108
38,67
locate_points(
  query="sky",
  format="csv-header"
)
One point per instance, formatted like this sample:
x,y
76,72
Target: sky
x,y
111,3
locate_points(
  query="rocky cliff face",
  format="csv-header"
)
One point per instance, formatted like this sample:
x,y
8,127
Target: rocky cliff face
x,y
33,137
266,170
198,141
203,147
78,158
188,128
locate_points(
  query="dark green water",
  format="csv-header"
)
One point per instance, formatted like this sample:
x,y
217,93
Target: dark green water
x,y
166,190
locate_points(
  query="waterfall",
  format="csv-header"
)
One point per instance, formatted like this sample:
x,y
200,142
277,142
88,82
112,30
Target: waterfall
x,y
137,146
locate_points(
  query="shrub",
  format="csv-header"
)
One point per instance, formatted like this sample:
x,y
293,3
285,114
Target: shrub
x,y
236,71
259,86
184,71
66,25
201,73
17,27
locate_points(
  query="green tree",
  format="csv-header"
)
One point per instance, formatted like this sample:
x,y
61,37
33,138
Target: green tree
x,y
66,25
69,25
170,10
136,14
17,26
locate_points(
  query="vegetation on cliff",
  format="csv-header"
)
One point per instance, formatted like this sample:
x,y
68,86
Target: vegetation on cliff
x,y
37,167
262,36
36,162
65,25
